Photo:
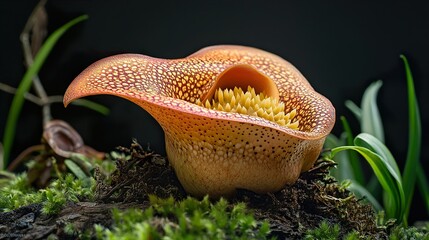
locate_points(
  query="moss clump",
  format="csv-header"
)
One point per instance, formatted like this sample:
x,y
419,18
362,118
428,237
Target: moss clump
x,y
139,175
400,232
18,193
187,219
330,232
324,231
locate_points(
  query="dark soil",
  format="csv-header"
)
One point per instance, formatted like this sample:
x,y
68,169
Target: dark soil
x,y
291,212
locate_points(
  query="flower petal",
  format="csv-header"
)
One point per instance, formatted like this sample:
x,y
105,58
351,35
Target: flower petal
x,y
212,151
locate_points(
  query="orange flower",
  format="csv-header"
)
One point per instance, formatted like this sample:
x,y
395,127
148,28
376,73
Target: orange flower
x,y
217,151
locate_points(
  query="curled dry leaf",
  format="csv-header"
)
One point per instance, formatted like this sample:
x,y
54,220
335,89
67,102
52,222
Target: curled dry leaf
x,y
65,141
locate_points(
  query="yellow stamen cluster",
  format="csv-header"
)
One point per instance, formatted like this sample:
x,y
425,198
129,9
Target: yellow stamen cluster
x,y
252,104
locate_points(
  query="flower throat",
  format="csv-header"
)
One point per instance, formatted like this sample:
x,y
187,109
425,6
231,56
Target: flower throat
x,y
251,104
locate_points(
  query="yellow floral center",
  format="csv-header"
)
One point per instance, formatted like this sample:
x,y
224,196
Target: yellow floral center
x,y
252,104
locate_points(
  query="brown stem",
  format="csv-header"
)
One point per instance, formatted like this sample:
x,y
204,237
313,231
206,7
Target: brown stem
x,y
21,157
113,190
34,21
32,98
28,96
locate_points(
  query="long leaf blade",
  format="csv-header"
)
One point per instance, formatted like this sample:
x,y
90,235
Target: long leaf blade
x,y
423,185
414,138
361,191
354,109
344,169
353,158
374,144
371,121
92,105
385,169
25,84
75,169
390,185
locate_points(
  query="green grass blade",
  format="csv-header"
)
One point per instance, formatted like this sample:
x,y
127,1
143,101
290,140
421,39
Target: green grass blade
x,y
91,105
374,144
373,184
374,187
343,170
371,121
385,169
422,183
356,167
332,141
414,138
354,109
25,84
1,156
361,191
383,175
75,169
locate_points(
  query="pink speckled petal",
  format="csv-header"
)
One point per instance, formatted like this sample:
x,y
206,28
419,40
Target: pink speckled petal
x,y
215,152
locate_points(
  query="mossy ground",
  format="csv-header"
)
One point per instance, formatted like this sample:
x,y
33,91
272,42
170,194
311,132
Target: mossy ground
x,y
313,200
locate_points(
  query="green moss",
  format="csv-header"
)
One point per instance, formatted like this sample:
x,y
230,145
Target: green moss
x,y
70,229
331,232
187,219
324,231
400,232
18,193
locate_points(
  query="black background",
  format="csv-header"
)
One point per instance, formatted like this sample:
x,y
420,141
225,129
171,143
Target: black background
x,y
340,46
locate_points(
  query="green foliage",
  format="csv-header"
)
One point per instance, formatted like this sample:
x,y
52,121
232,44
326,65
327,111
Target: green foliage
x,y
25,85
92,105
384,167
19,193
354,236
398,190
371,121
75,169
423,184
83,166
414,140
400,232
6,177
62,190
356,167
187,219
328,231
363,192
324,231
70,229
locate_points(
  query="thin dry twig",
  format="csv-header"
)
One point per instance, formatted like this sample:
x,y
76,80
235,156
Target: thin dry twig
x,y
36,25
23,155
31,97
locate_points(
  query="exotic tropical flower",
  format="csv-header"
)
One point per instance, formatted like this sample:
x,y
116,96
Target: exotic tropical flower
x,y
233,116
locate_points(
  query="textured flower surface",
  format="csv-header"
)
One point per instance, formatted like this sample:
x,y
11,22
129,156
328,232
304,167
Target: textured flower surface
x,y
214,151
